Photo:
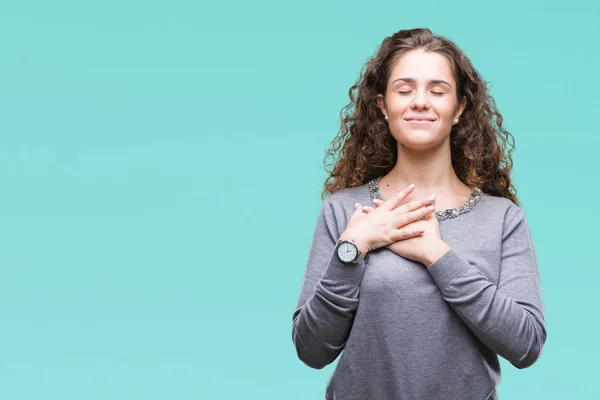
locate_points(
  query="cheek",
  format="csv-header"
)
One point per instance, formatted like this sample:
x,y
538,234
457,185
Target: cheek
x,y
444,110
398,109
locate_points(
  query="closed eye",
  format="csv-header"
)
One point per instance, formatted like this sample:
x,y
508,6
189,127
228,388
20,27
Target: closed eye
x,y
408,92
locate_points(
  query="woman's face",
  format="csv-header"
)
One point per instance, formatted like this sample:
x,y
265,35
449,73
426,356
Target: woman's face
x,y
420,100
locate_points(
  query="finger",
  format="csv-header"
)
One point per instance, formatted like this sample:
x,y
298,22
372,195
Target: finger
x,y
415,205
407,232
400,196
429,216
367,209
415,215
357,209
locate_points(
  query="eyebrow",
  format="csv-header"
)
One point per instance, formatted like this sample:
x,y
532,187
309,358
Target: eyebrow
x,y
432,81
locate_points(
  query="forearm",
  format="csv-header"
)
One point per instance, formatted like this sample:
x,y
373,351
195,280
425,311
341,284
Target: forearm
x,y
510,327
322,324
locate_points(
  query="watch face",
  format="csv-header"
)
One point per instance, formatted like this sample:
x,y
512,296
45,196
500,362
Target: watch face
x,y
347,251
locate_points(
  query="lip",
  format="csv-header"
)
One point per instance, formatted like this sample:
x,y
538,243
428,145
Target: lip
x,y
413,121
419,119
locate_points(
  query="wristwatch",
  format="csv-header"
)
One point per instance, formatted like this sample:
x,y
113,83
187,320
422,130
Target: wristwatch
x,y
347,252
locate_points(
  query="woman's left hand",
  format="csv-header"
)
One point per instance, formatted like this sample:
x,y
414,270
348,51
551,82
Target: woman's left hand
x,y
425,248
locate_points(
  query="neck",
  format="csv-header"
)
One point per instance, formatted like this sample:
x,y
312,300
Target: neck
x,y
430,171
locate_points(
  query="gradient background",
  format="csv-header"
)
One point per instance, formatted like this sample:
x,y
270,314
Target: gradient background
x,y
160,171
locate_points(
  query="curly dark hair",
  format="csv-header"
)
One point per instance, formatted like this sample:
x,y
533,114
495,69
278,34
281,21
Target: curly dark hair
x,y
481,148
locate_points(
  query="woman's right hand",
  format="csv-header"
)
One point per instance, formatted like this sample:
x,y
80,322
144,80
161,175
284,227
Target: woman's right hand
x,y
387,224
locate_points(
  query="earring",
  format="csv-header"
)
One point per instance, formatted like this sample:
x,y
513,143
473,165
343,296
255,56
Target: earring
x,y
385,117
455,121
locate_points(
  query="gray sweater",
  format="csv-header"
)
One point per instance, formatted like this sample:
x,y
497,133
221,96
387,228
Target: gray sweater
x,y
405,331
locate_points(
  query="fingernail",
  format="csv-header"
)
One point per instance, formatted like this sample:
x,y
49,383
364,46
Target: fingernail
x,y
431,208
411,186
365,208
356,205
432,197
375,201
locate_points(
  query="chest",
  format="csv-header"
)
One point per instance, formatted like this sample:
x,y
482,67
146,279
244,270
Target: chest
x,y
389,275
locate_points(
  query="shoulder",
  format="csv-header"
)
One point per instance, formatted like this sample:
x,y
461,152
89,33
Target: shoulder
x,y
346,196
339,206
343,200
503,209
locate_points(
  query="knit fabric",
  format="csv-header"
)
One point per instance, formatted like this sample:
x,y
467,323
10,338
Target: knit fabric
x,y
405,331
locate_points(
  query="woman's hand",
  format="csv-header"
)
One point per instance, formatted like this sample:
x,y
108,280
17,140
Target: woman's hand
x,y
388,223
425,248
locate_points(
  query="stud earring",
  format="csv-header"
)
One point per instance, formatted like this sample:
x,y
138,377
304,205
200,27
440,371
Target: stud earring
x,y
455,121
385,117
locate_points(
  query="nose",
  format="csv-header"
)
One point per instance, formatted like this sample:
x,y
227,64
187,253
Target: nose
x,y
420,100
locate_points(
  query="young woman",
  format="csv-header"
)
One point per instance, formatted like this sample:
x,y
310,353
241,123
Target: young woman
x,y
422,268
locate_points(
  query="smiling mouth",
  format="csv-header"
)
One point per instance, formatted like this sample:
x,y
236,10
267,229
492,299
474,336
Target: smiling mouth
x,y
419,121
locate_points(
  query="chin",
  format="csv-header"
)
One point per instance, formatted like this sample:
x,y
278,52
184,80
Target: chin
x,y
420,140
419,136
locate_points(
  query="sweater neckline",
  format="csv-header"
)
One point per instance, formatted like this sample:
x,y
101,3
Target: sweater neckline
x,y
472,201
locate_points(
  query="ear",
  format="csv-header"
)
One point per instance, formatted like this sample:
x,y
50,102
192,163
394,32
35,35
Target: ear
x,y
381,104
461,107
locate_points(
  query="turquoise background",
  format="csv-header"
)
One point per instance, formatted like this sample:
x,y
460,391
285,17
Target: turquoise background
x,y
160,171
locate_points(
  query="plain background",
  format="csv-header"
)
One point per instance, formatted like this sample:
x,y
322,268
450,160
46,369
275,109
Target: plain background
x,y
160,173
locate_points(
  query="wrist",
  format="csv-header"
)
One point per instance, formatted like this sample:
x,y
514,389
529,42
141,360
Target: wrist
x,y
361,243
435,253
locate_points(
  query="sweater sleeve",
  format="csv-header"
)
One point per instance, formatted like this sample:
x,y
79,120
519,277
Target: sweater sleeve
x,y
329,296
508,318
